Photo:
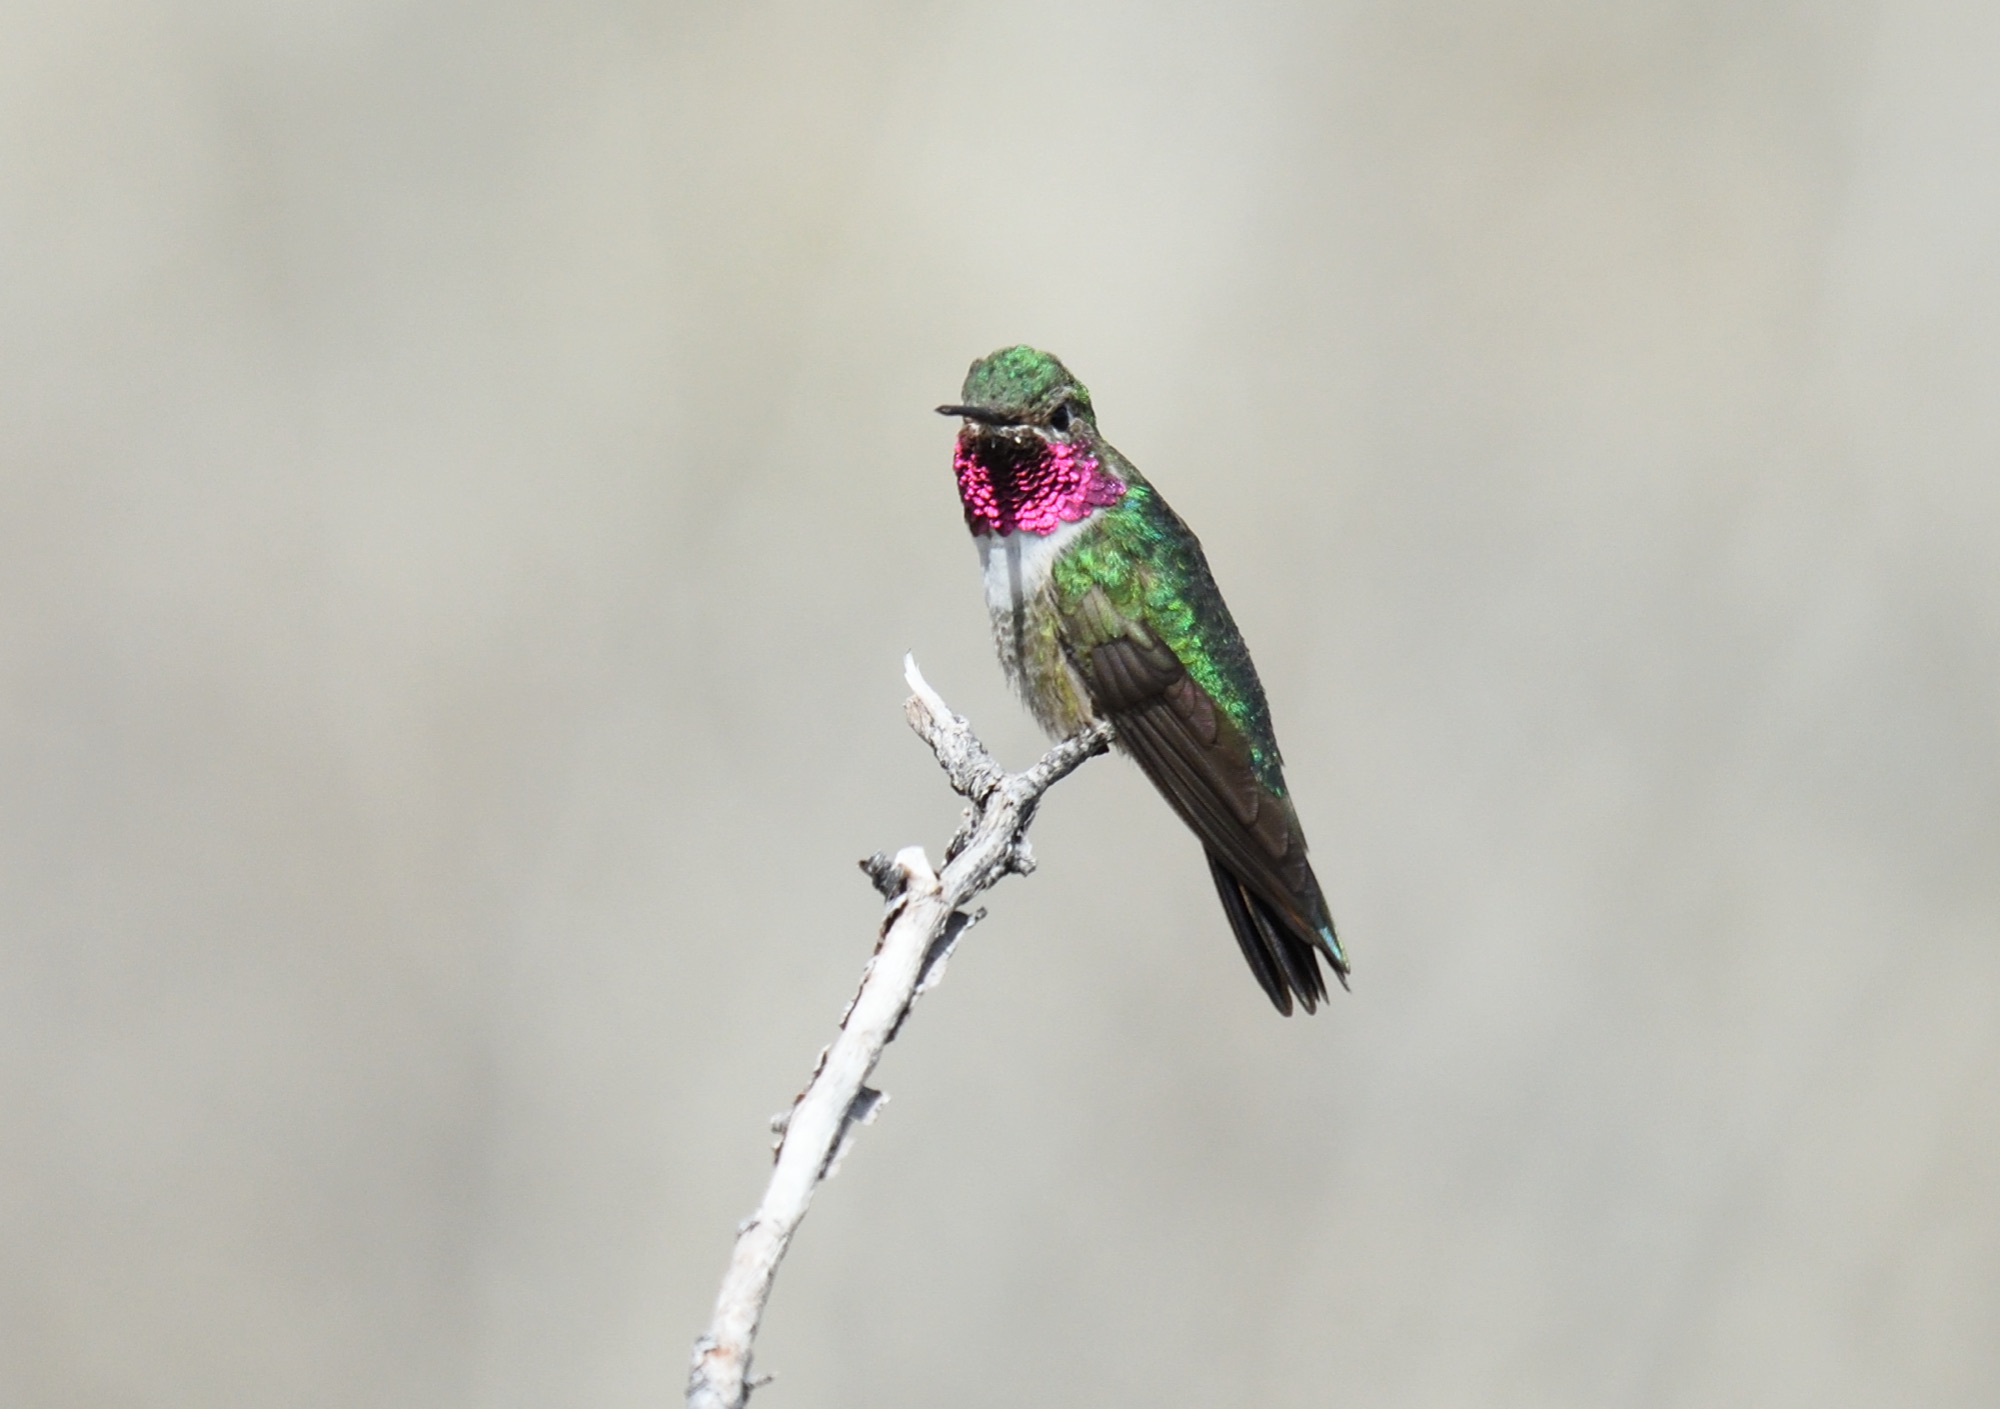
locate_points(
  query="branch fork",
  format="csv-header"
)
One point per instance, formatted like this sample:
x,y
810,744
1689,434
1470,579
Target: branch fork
x,y
923,920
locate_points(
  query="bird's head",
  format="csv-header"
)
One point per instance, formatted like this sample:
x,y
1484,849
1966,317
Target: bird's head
x,y
1028,454
1021,391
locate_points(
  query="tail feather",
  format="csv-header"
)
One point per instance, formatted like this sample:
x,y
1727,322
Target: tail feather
x,y
1284,961
1250,939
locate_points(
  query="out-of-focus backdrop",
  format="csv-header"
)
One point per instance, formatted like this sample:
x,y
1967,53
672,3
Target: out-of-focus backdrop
x,y
467,482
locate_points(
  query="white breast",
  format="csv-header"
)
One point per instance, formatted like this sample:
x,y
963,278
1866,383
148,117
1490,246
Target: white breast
x,y
1017,568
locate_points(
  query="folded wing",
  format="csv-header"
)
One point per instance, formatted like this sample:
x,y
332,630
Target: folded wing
x,y
1202,762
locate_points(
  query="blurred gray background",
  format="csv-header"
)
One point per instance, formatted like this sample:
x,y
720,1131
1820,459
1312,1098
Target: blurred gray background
x,y
469,482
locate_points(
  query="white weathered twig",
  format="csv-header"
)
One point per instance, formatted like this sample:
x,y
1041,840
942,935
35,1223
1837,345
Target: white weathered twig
x,y
924,919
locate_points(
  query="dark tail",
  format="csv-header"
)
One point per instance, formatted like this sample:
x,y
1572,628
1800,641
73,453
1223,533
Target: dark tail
x,y
1285,961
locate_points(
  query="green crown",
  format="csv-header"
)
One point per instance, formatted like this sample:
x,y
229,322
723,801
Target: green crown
x,y
1021,379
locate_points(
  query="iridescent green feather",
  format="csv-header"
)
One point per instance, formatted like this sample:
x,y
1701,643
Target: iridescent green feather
x,y
1022,379
1153,571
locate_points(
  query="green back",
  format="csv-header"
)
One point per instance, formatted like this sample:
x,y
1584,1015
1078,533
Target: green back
x,y
1153,571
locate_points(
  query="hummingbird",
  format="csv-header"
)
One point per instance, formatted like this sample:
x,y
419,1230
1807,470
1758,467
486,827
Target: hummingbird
x,y
1103,608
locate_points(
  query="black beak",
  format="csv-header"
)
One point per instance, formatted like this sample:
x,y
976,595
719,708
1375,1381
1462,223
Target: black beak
x,y
979,414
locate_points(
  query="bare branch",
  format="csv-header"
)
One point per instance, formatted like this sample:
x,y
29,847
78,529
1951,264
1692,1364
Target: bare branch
x,y
922,920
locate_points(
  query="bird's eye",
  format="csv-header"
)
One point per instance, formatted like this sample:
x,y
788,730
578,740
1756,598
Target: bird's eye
x,y
1059,418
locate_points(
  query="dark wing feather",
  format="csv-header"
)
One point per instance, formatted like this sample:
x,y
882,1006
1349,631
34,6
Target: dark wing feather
x,y
1201,762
